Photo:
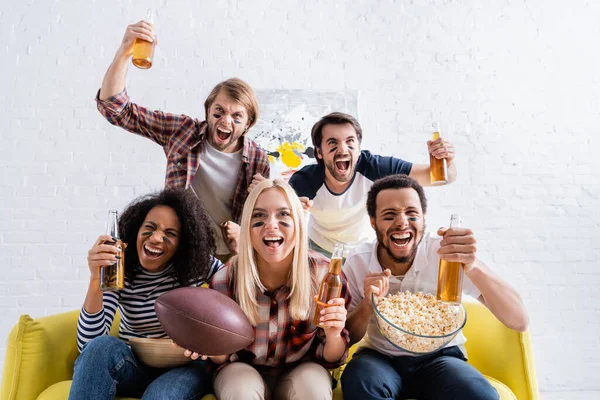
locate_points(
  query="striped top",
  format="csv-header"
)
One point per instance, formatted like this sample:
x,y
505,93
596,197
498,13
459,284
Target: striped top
x,y
136,305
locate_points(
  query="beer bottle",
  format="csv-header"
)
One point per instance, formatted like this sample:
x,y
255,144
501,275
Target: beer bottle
x,y
331,285
143,51
450,274
438,168
112,277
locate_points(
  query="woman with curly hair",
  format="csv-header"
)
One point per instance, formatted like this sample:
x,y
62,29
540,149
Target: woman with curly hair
x,y
170,241
274,280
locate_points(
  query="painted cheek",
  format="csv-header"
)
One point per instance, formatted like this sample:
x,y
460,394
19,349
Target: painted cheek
x,y
284,224
414,219
258,224
217,116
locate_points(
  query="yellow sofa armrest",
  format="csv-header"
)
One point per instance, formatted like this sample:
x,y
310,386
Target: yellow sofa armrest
x,y
500,352
39,353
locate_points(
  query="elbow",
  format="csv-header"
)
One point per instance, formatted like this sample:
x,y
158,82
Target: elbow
x,y
521,324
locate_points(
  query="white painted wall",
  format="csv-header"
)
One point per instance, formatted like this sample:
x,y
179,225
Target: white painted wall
x,y
514,83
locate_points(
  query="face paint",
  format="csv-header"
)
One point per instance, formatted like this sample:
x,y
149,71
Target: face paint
x,y
258,224
414,219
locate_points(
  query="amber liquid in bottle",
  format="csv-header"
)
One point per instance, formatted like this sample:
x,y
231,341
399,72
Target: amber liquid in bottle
x,y
143,51
438,167
450,275
331,285
112,277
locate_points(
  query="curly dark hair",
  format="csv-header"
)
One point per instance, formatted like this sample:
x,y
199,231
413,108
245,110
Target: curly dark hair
x,y
197,241
394,182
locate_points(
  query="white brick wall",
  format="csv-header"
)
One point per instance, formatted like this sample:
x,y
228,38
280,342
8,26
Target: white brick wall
x,y
514,84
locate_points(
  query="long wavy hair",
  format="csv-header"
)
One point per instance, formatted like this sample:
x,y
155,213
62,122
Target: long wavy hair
x,y
192,258
244,268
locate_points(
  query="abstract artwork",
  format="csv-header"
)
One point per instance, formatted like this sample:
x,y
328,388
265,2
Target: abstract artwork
x,y
285,121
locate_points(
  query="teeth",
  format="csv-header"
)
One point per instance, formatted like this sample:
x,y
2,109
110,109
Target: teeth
x,y
272,238
223,130
153,251
399,236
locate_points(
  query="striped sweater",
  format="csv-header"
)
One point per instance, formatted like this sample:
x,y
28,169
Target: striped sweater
x,y
136,305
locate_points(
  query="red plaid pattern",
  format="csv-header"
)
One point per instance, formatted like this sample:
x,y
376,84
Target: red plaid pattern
x,y
279,339
182,138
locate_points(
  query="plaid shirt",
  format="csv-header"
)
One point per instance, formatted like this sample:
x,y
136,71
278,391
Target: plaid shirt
x,y
182,139
279,339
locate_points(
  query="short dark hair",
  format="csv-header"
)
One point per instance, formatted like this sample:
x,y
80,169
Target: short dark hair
x,y
394,182
335,118
196,241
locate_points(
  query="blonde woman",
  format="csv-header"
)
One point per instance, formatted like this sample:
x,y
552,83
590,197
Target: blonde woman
x,y
274,280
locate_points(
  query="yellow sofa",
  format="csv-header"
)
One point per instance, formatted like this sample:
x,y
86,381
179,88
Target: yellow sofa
x,y
41,353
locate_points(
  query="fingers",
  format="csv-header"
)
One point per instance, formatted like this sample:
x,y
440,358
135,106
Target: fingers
x,y
306,203
441,148
193,355
143,30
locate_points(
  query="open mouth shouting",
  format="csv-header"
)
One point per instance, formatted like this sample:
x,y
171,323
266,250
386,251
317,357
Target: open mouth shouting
x,y
152,252
223,134
342,165
273,242
401,240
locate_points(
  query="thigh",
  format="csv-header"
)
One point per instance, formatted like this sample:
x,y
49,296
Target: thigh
x,y
239,380
371,375
191,381
307,380
450,377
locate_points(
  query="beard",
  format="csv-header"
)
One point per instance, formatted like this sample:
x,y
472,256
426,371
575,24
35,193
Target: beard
x,y
402,259
344,176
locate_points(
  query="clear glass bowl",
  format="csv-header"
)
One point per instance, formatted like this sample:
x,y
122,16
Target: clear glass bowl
x,y
411,342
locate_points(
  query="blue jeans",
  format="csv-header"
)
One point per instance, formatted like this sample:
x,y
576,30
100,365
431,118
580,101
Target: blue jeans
x,y
441,375
107,367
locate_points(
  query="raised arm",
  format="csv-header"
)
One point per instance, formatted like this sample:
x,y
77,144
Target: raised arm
x,y
439,148
99,308
458,244
114,79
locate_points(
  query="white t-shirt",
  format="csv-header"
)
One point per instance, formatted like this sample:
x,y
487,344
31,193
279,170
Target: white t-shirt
x,y
342,217
214,184
421,277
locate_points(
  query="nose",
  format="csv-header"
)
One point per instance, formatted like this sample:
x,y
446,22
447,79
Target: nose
x,y
402,221
227,120
343,148
272,222
156,237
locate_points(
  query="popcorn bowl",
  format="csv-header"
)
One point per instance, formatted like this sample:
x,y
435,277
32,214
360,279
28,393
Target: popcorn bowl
x,y
420,343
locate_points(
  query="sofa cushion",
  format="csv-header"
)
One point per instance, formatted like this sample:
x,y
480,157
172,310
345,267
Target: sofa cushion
x,y
60,391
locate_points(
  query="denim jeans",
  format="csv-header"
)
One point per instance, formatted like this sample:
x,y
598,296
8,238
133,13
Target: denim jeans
x,y
441,375
107,367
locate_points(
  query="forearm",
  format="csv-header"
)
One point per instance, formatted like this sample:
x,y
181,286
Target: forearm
x,y
499,297
114,79
93,299
358,321
334,348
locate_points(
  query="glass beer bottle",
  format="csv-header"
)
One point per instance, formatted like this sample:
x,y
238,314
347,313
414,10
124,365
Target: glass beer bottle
x,y
450,275
112,277
331,285
438,168
143,51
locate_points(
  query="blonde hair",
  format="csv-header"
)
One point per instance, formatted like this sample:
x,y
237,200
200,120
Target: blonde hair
x,y
245,269
239,91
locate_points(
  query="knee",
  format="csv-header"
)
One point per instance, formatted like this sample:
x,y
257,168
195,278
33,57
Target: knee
x,y
474,388
361,379
101,351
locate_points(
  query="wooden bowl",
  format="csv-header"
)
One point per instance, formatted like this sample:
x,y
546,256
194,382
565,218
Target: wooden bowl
x,y
158,353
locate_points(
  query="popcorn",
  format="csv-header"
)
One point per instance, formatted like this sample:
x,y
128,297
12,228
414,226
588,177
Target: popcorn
x,y
420,314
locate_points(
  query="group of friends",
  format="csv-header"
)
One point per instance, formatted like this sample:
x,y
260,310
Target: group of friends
x,y
222,221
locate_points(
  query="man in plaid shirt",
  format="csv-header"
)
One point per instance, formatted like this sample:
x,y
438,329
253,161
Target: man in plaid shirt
x,y
221,141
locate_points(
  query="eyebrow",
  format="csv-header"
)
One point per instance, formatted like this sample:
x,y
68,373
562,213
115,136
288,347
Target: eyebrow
x,y
154,225
234,112
391,209
279,209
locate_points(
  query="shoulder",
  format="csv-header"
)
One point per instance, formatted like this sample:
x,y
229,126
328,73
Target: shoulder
x,y
360,257
374,166
308,180
255,147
